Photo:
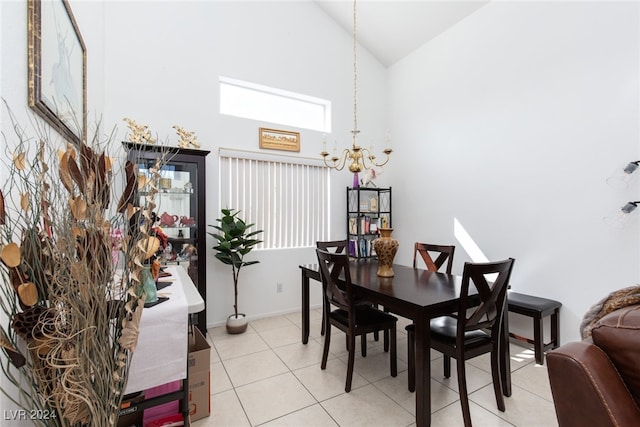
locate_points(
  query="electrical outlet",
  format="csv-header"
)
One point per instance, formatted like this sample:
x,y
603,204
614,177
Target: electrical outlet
x,y
278,287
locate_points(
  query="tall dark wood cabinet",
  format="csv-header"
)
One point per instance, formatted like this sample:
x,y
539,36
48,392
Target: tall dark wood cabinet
x,y
180,208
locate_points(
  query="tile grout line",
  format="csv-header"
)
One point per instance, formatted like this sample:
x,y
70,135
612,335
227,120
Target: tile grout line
x,y
319,340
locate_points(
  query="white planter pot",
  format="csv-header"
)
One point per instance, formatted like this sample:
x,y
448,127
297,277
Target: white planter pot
x,y
237,325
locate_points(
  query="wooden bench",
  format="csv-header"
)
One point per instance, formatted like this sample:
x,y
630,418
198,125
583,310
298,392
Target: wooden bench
x,y
536,308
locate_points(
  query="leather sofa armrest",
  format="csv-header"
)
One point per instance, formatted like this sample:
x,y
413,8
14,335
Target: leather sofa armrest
x,y
587,389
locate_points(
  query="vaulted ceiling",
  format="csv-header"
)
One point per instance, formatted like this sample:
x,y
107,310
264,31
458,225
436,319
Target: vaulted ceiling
x,y
391,29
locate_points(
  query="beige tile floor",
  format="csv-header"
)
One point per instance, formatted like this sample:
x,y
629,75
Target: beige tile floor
x,y
267,377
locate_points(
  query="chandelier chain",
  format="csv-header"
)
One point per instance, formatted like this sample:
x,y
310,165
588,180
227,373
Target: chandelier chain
x,y
356,158
355,77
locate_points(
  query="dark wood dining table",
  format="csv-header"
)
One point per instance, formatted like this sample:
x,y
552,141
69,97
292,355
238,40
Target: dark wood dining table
x,y
418,295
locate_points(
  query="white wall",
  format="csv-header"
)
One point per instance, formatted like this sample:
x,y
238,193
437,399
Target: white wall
x,y
13,73
162,65
536,100
511,122
13,87
159,63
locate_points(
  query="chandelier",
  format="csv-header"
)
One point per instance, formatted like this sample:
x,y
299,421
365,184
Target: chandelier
x,y
356,157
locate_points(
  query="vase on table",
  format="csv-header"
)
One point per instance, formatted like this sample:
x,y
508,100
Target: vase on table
x,y
148,285
386,248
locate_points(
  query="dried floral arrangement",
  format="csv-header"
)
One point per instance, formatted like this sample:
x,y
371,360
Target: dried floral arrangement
x,y
187,139
140,134
70,323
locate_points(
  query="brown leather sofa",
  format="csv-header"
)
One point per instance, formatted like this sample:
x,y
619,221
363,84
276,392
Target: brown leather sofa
x,y
596,382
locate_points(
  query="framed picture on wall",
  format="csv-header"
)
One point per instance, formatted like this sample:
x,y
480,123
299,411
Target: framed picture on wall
x,y
279,139
57,66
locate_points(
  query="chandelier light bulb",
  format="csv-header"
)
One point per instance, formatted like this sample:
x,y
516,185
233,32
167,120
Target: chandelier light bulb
x,y
622,177
620,217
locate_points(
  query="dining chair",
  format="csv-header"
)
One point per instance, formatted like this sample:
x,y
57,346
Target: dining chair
x,y
427,252
476,327
340,246
336,246
351,318
444,253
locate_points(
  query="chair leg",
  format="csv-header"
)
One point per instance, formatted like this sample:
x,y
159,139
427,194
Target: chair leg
x,y
411,358
447,366
327,342
325,310
385,332
352,355
495,375
393,355
363,345
376,335
386,340
555,339
537,338
462,390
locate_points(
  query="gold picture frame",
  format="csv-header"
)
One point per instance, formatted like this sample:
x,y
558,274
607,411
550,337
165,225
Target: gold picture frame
x,y
274,139
57,68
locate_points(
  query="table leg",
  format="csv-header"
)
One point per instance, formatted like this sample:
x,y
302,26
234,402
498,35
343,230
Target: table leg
x,y
423,371
305,307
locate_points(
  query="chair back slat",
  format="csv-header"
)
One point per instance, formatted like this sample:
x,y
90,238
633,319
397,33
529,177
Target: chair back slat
x,y
445,252
336,246
492,294
334,270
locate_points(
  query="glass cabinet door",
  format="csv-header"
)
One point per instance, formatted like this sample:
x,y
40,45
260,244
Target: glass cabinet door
x,y
177,213
180,208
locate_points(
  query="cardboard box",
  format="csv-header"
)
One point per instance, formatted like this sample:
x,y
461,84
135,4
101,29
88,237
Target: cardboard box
x,y
199,364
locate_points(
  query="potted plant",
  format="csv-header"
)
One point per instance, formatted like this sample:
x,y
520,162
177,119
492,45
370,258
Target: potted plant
x,y
234,241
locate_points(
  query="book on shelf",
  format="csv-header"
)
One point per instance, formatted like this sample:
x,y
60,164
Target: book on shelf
x,y
361,248
364,247
353,226
365,223
353,248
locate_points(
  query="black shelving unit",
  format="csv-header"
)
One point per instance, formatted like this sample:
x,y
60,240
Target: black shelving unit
x,y
368,209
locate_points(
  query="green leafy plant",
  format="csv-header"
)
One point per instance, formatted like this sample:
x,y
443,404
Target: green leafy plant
x,y
234,241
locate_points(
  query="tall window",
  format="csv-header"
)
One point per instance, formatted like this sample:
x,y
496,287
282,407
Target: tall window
x,y
253,101
287,197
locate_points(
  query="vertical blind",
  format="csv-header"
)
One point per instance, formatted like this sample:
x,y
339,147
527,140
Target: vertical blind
x,y
284,196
